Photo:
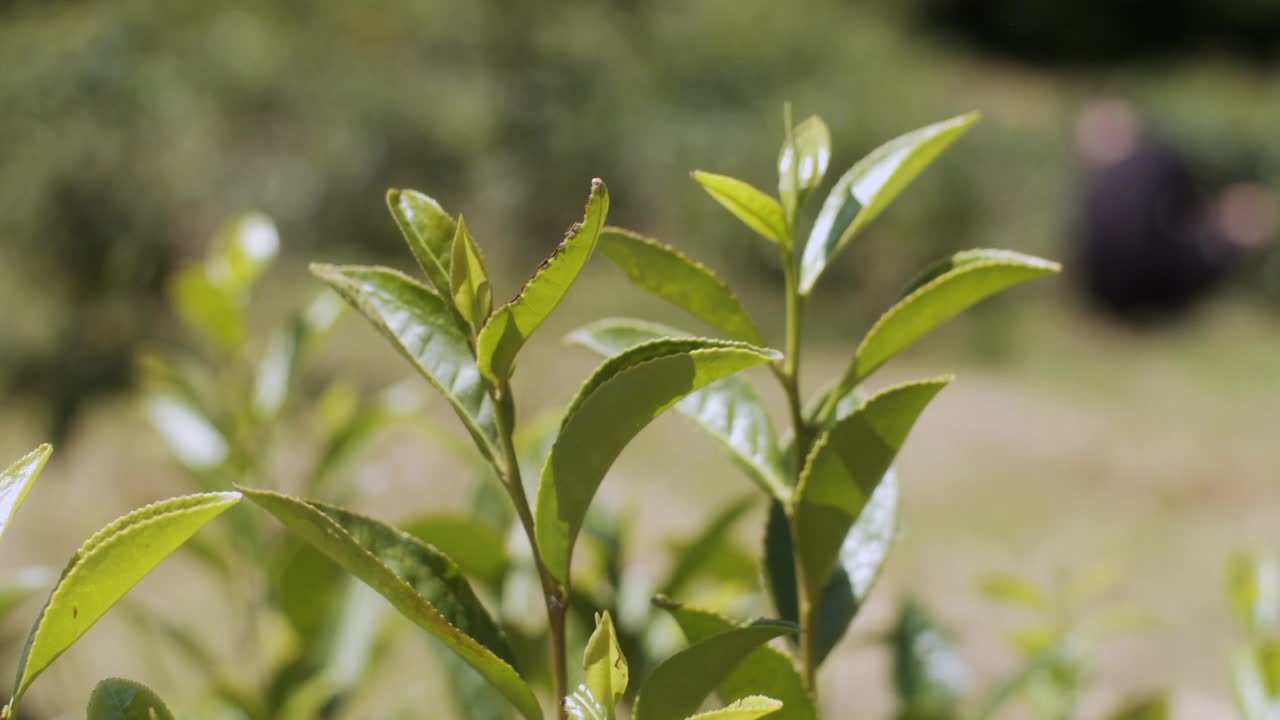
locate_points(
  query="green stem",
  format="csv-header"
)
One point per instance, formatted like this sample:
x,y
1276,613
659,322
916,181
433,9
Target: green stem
x,y
555,596
789,375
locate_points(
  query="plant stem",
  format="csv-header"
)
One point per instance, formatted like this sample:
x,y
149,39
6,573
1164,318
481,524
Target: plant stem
x,y
803,438
554,595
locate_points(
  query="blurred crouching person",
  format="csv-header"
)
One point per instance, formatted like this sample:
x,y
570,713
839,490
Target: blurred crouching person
x,y
1151,240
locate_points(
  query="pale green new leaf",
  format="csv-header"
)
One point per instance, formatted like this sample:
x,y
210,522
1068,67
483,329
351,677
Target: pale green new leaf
x,y
120,699
428,230
472,294
845,467
511,325
729,410
242,250
868,188
1253,586
765,670
423,327
677,687
605,675
748,708
419,581
803,162
620,399
106,567
16,481
969,278
1014,591
753,207
675,277
208,310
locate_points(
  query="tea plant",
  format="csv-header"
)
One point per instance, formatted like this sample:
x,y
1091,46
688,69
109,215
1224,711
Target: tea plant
x,y
227,412
99,575
1253,586
833,492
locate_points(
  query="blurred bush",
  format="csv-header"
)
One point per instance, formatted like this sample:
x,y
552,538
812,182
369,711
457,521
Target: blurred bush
x,y
130,129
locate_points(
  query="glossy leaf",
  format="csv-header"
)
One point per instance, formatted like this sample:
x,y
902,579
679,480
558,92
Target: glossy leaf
x,y
765,670
869,186
753,207
511,325
803,162
472,294
862,556
478,549
845,467
16,481
241,251
420,582
192,438
677,687
106,567
605,675
423,327
120,699
748,708
428,230
626,393
729,410
977,275
675,277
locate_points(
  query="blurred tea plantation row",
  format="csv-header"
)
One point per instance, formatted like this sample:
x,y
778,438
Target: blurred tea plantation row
x,y
1083,483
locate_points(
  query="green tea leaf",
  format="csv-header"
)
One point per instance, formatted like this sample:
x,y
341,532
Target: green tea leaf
x,y
478,549
472,294
754,208
680,280
606,675
619,400
16,481
862,556
765,670
1155,707
507,329
1014,592
1250,686
429,232
748,708
713,539
803,162
120,699
192,438
845,467
241,251
929,675
729,409
1253,585
106,567
974,276
423,327
868,188
208,310
676,688
420,582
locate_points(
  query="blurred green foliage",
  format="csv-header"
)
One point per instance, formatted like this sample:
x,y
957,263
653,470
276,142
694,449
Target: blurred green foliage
x,y
130,129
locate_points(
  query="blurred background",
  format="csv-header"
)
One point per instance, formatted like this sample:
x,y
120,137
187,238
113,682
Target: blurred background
x,y
1088,428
